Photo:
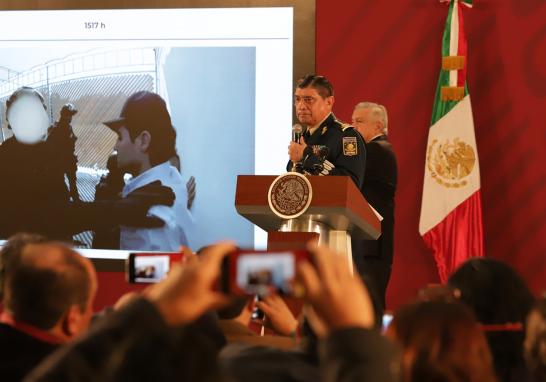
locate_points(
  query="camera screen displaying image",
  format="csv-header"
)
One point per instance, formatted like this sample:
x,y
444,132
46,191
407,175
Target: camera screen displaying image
x,y
151,269
262,274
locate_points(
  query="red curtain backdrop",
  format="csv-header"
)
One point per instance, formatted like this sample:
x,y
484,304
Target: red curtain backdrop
x,y
389,52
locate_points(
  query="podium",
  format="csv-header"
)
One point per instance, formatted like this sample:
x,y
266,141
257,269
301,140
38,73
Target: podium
x,y
337,212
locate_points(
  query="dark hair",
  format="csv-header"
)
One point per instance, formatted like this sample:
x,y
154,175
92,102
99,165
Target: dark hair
x,y
497,295
39,295
441,341
10,253
146,110
535,341
320,83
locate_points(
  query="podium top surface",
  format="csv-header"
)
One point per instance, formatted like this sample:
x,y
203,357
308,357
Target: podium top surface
x,y
336,202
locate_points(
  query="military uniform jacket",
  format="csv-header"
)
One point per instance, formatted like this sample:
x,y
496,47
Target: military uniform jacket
x,y
347,152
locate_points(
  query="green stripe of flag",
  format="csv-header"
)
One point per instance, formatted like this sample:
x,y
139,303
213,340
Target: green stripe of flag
x,y
440,107
447,31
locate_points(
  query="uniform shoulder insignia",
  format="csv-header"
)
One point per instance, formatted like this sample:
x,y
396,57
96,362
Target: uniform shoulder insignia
x,y
339,124
345,126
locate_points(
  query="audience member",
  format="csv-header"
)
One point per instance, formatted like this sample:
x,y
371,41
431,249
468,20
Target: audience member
x,y
441,341
498,296
48,294
269,364
278,316
11,253
236,319
353,349
251,357
119,347
535,342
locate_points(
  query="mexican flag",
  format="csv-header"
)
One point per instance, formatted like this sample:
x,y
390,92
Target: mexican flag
x,y
451,213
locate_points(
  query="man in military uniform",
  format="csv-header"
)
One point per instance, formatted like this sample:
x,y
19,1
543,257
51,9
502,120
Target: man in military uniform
x,y
328,146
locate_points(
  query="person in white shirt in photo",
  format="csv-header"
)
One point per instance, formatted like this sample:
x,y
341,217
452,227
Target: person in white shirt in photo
x,y
146,142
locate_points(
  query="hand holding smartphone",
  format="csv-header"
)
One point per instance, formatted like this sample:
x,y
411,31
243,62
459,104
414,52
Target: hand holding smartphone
x,y
244,272
250,272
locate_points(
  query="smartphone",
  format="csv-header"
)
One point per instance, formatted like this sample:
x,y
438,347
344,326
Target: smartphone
x,y
150,267
387,318
250,272
257,313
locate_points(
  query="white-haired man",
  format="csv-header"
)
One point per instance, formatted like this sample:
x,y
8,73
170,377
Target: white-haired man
x,y
373,258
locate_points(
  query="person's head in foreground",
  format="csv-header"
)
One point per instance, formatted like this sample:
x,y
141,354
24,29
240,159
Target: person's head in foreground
x,y
535,341
50,287
497,295
441,342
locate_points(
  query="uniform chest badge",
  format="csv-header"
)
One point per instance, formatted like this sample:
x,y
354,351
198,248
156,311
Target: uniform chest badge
x,y
349,146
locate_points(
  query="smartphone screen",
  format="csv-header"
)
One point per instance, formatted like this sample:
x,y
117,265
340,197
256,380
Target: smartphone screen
x,y
150,267
263,272
387,318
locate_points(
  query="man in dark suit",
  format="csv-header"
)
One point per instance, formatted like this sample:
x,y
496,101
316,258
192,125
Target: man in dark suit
x,y
373,258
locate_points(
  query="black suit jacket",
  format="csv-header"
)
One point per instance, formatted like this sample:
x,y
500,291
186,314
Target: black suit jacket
x,y
379,188
20,353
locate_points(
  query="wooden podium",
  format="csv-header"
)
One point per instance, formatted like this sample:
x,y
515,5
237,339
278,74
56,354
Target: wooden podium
x,y
337,212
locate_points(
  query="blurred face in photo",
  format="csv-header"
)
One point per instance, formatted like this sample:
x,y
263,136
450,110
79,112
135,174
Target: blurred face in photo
x,y
28,119
311,108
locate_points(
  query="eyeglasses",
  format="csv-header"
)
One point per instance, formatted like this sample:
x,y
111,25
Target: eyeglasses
x,y
307,100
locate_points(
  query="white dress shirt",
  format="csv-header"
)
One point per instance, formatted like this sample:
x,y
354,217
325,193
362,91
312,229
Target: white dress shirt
x,y
177,218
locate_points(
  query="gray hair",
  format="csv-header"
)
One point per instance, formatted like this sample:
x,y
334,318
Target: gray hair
x,y
378,111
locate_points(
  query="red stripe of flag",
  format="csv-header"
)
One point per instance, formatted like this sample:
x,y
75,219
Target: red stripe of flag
x,y
457,237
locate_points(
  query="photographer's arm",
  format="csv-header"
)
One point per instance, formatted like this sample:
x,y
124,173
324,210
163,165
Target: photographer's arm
x,y
353,350
278,315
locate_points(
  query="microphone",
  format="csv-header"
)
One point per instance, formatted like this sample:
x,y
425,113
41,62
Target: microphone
x,y
297,132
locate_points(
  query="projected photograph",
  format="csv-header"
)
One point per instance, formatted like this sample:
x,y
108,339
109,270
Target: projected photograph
x,y
210,96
